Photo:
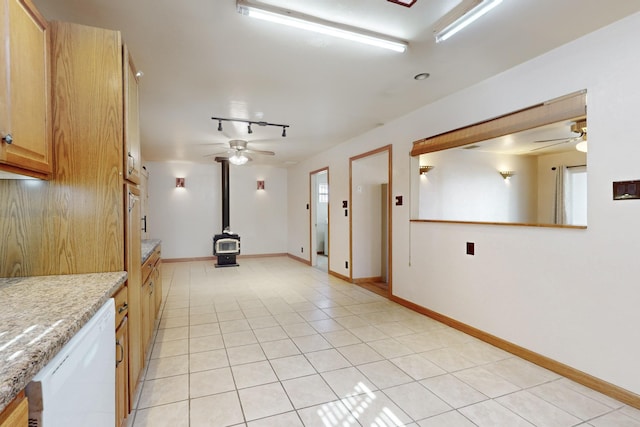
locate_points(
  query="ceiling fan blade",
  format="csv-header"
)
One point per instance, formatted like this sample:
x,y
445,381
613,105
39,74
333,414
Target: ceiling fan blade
x,y
552,140
551,145
216,154
569,138
264,152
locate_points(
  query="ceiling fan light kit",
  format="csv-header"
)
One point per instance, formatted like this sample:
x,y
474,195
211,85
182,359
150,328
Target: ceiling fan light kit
x,y
239,149
311,23
461,16
238,159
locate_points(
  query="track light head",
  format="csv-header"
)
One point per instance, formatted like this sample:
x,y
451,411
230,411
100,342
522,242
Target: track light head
x,y
249,129
284,131
219,125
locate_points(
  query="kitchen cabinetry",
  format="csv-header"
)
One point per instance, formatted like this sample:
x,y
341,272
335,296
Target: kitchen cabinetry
x,y
122,356
151,294
17,413
144,196
122,373
25,85
132,160
133,261
99,206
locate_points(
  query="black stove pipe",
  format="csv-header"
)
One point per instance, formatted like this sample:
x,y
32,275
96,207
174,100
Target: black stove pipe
x,y
224,164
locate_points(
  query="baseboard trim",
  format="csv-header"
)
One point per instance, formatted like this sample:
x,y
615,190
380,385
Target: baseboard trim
x,y
576,375
213,258
367,280
302,260
339,276
204,258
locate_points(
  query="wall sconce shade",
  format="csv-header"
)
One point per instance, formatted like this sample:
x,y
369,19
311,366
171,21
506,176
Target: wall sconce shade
x,y
179,182
425,169
260,185
507,174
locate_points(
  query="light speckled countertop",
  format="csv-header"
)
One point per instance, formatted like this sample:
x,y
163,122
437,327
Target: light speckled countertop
x,y
148,246
39,315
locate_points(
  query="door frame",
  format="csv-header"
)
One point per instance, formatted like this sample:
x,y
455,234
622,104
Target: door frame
x,y
389,150
312,205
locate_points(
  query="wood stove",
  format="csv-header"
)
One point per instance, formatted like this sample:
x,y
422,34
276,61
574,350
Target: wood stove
x,y
226,246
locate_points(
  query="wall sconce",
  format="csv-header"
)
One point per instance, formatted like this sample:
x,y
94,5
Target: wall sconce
x,y
179,182
260,185
507,174
425,169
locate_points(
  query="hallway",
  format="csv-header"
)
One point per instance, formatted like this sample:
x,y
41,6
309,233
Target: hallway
x,y
277,343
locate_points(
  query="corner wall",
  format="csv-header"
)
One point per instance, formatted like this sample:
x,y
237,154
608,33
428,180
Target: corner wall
x,y
186,219
566,294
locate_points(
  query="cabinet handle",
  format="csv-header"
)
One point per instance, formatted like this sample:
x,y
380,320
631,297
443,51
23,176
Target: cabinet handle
x,y
118,362
8,139
122,308
133,162
144,224
132,201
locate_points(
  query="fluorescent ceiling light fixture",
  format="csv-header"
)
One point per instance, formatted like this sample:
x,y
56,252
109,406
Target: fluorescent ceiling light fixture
x,y
463,15
310,23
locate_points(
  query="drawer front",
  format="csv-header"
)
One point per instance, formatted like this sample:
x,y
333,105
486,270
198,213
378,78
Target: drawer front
x,y
149,265
122,304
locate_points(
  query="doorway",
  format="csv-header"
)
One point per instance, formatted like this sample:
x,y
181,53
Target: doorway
x,y
370,220
319,219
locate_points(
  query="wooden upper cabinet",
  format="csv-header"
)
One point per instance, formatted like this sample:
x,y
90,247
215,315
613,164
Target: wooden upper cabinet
x,y
25,86
132,159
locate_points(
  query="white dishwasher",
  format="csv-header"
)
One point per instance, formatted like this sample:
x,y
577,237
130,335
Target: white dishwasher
x,y
77,387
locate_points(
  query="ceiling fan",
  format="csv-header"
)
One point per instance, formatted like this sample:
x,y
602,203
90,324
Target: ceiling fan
x,y
238,152
579,127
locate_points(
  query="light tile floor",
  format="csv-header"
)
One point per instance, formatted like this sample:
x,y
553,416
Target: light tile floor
x,y
276,343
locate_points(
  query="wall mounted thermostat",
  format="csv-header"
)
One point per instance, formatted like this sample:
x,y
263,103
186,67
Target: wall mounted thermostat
x,y
625,190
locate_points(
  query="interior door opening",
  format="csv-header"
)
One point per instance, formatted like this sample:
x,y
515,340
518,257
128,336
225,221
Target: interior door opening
x,y
319,219
370,219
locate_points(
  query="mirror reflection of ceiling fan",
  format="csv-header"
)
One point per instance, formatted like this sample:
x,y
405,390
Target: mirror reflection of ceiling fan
x,y
579,127
237,152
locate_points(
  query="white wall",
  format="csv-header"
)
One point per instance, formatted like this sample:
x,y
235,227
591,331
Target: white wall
x,y
567,294
465,185
185,219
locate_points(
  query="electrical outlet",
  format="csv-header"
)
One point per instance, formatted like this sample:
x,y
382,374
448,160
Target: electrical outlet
x,y
346,264
302,250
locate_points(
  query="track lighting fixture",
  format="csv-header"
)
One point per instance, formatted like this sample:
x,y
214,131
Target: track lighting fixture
x,y
249,123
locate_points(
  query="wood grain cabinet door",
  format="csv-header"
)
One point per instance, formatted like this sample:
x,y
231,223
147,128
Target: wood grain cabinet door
x,y
122,372
25,90
132,158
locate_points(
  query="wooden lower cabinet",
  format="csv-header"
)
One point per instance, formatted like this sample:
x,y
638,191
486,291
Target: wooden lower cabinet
x,y
16,414
122,372
151,294
122,355
148,313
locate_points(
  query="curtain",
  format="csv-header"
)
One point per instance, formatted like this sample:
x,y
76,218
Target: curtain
x,y
559,208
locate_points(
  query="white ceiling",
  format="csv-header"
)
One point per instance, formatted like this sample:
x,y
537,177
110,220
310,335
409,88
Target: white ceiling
x,y
201,59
